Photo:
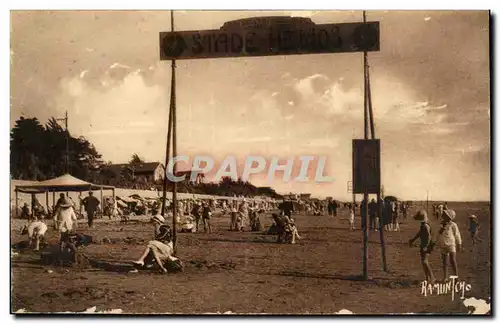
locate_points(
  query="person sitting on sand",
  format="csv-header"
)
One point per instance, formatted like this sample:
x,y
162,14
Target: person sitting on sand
x,y
188,224
161,249
291,232
426,244
450,242
36,233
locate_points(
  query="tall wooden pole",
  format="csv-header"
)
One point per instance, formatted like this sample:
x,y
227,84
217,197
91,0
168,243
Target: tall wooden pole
x,y
47,200
53,203
174,144
364,203
167,153
17,204
67,143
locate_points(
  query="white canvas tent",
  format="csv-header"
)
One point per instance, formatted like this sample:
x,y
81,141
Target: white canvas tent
x,y
64,183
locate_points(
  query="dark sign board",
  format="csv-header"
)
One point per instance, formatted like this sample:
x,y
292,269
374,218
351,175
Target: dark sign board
x,y
366,166
265,40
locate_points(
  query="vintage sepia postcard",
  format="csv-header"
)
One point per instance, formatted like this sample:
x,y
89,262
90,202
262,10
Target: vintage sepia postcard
x,y
327,162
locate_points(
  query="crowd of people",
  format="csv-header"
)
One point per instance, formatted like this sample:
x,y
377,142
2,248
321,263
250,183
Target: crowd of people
x,y
245,213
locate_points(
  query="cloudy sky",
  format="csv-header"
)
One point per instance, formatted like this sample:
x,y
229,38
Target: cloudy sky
x,y
430,89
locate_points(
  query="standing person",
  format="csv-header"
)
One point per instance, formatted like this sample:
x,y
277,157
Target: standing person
x,y
426,244
335,206
234,216
26,212
243,215
330,207
395,216
363,209
91,204
207,213
404,210
450,242
65,220
196,212
440,209
473,229
351,218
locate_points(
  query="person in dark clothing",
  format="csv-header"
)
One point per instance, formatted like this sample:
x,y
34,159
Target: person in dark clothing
x,y
196,212
286,207
372,212
426,244
91,204
330,208
363,214
335,206
206,214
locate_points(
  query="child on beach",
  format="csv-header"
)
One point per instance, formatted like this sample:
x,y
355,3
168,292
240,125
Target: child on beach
x,y
473,229
426,244
450,242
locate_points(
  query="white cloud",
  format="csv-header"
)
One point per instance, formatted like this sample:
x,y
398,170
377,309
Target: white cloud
x,y
427,18
83,73
119,65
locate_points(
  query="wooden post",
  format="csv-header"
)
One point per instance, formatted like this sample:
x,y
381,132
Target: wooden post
x,y
47,201
381,230
17,204
53,202
365,223
174,145
102,203
33,204
167,154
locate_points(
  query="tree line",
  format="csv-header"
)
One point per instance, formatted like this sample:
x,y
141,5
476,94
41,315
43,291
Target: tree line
x,y
38,152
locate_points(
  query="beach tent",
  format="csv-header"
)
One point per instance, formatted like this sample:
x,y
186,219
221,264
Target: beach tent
x,y
64,183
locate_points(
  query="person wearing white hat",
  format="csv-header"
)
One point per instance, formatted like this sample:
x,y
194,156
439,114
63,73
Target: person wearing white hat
x,y
473,229
426,244
64,220
450,242
160,249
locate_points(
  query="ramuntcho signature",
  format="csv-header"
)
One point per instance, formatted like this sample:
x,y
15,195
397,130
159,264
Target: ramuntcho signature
x,y
452,287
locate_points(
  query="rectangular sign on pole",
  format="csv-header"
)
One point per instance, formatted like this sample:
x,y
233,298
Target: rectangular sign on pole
x,y
267,41
366,166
